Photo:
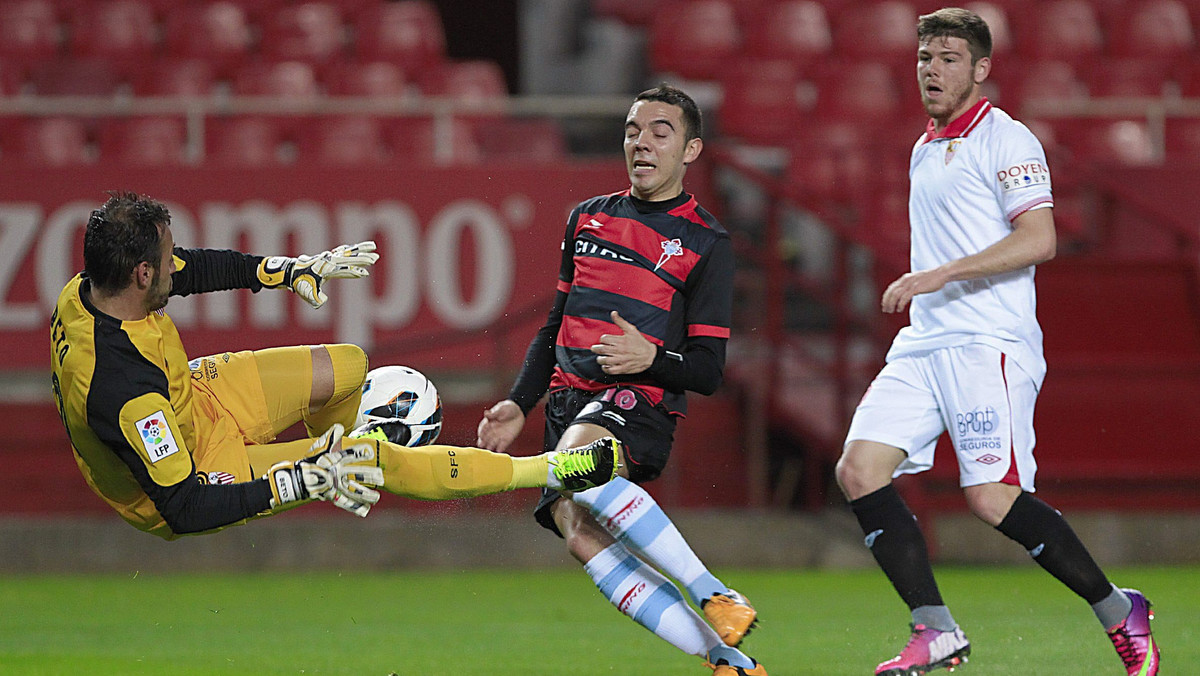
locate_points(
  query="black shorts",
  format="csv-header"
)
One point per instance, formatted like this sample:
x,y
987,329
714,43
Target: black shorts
x,y
644,430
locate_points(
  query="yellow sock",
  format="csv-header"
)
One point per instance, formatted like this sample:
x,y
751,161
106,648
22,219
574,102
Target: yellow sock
x,y
530,471
349,364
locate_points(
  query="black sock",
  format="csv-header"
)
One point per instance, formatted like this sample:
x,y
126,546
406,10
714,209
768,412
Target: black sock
x,y
898,546
1049,539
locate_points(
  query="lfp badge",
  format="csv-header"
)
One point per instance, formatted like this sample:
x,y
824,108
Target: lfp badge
x,y
157,437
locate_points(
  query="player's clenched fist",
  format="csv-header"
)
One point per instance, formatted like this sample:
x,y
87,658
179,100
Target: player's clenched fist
x,y
304,274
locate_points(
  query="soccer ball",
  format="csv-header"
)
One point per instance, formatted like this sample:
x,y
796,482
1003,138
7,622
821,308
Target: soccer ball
x,y
399,392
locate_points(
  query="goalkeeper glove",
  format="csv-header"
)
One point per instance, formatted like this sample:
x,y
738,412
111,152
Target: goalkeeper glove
x,y
340,476
304,274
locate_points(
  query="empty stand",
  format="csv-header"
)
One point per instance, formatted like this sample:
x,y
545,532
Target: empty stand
x,y
996,17
354,140
790,29
465,81
441,141
144,141
53,141
763,101
119,30
1128,77
378,79
74,77
176,77
217,32
882,31
243,141
29,31
283,79
409,33
694,38
1183,140
521,140
309,31
1066,30
1151,29
862,90
1045,81
1125,142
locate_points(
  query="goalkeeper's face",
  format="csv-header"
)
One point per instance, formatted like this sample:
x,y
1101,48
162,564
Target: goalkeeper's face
x,y
160,283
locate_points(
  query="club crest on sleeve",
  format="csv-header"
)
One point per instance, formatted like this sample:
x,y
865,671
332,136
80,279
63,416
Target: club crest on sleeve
x,y
156,435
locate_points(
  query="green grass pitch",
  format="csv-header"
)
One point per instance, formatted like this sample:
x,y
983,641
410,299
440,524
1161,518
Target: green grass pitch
x,y
489,623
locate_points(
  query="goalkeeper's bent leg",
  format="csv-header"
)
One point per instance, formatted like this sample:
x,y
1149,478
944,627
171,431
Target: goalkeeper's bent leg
x,y
450,472
338,372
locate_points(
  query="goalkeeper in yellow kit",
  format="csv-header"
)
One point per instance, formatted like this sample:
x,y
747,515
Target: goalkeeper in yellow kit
x,y
179,449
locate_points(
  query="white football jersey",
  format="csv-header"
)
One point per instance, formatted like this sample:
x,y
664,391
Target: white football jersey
x,y
968,183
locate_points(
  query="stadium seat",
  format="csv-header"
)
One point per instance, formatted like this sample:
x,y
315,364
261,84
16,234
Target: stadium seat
x,y
243,141
29,31
509,139
883,31
309,31
375,78
1044,81
1123,142
1128,77
763,101
1066,30
408,32
144,141
176,77
74,77
860,91
422,141
12,77
1151,29
119,30
830,161
694,39
283,79
465,81
1183,140
53,141
217,32
997,20
790,29
352,140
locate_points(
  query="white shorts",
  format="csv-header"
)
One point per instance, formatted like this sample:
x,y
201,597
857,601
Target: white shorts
x,y
975,392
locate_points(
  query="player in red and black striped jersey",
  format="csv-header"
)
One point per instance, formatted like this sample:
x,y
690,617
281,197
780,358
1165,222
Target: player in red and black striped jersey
x,y
641,316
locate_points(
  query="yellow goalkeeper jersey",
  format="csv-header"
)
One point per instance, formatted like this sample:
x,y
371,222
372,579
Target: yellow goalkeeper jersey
x,y
125,394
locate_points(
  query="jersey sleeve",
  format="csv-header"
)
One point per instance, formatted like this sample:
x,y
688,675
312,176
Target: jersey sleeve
x,y
204,270
149,442
538,367
1021,176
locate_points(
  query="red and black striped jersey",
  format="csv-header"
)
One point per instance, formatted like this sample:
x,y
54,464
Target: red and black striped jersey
x,y
667,268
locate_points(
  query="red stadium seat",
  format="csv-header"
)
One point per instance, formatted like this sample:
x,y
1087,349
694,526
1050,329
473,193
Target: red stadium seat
x,y
309,31
521,140
176,77
144,141
1045,81
74,77
409,33
831,161
283,79
1067,30
996,18
762,101
12,77
353,140
694,38
860,91
217,32
243,142
1183,140
433,142
376,79
1152,29
1124,142
1128,77
465,81
54,141
122,30
29,31
883,31
790,29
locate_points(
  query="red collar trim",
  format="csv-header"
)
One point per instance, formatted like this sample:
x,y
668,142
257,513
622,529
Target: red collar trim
x,y
962,125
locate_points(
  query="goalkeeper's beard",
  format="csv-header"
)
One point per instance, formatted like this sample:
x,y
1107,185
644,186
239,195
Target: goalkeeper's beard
x,y
156,295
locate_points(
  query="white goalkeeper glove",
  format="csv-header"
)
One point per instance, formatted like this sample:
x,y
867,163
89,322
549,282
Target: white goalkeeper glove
x,y
342,476
304,274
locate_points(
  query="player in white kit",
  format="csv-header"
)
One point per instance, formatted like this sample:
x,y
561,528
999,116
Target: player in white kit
x,y
970,362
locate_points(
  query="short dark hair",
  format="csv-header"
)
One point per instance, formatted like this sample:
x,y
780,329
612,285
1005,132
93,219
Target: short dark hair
x,y
124,232
677,97
956,22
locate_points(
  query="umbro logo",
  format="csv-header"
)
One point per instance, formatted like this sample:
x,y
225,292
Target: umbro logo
x,y
988,459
